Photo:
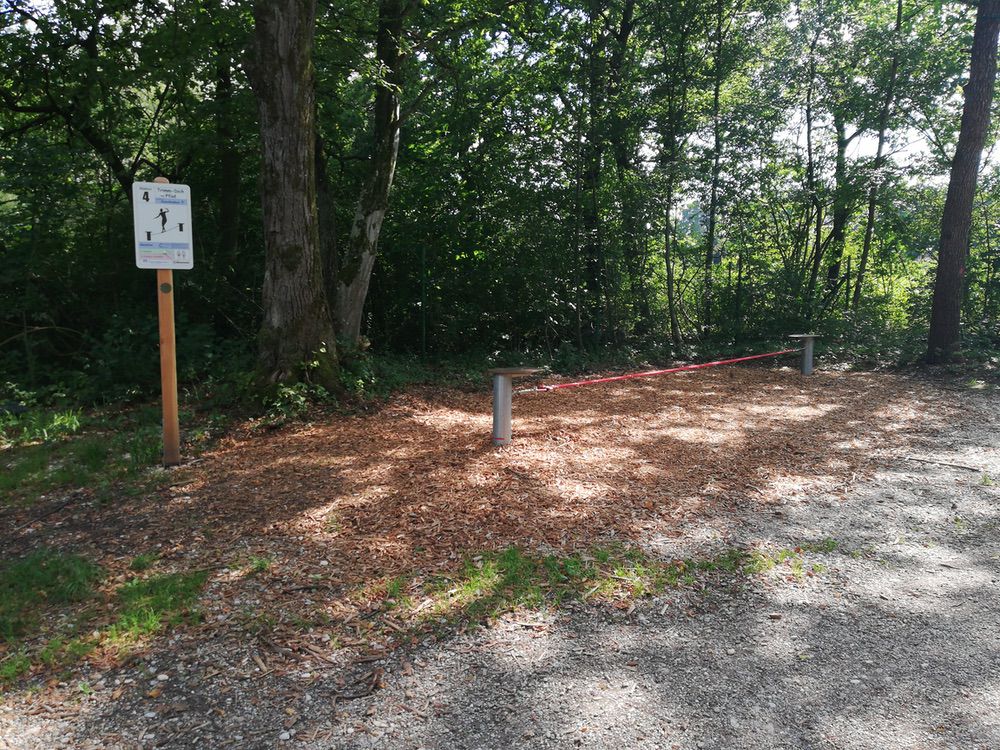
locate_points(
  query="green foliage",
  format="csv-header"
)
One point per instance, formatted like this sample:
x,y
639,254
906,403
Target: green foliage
x,y
45,577
37,426
537,196
292,402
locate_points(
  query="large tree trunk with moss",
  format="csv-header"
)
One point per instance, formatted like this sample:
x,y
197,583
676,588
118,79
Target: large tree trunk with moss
x,y
296,336
956,221
358,258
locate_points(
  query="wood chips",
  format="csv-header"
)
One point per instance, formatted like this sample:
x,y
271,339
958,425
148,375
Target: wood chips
x,y
417,485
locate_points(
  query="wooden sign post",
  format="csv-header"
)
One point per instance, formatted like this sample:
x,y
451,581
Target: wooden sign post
x,y
163,240
168,367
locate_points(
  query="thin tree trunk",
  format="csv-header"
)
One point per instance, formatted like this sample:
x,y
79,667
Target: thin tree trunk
x,y
326,216
841,205
713,203
990,266
296,337
362,243
817,253
625,155
593,153
668,237
883,126
944,337
229,164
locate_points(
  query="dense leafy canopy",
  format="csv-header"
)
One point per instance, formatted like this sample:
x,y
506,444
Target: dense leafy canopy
x,y
571,175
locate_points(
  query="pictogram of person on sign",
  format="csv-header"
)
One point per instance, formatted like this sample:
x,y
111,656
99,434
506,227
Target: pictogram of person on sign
x,y
162,216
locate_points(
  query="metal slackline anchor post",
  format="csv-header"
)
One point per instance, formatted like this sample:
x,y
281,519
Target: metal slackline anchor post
x,y
806,362
503,389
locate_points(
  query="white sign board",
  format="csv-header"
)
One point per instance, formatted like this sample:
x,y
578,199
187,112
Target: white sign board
x,y
162,215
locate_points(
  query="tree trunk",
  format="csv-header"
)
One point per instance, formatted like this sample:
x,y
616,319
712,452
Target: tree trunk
x,y
713,201
596,320
229,164
326,216
362,243
296,337
945,330
812,188
841,212
668,236
621,135
883,126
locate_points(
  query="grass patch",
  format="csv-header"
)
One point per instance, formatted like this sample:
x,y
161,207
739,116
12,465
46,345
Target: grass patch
x,y
148,605
144,561
107,453
258,565
51,615
493,583
15,665
43,578
38,426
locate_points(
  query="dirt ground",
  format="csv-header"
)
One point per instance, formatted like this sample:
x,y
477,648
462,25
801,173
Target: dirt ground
x,y
889,642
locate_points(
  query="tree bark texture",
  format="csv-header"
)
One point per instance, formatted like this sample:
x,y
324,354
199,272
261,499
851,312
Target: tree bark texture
x,y
297,328
945,329
362,244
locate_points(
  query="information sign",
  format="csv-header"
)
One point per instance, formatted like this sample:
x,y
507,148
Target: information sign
x,y
162,218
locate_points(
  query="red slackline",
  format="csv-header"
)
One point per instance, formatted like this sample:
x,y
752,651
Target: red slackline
x,y
651,373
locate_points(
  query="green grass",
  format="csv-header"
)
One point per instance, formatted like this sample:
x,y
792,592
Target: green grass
x,y
43,578
496,582
144,561
38,426
147,605
25,467
15,665
51,616
259,564
69,452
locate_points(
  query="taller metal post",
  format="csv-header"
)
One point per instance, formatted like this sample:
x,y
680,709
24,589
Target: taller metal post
x,y
807,356
502,390
806,362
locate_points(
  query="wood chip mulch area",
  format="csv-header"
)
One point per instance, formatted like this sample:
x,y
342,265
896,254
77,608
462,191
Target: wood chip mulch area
x,y
417,485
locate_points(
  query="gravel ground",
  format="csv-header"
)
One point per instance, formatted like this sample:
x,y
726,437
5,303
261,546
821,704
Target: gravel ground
x,y
892,643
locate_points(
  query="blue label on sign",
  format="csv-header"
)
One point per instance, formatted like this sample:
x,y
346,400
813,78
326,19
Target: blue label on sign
x,y
164,245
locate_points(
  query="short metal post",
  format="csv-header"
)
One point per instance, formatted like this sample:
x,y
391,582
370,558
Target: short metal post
x,y
807,356
502,390
806,362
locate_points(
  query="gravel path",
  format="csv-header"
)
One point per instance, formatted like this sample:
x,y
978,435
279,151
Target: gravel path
x,y
893,642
